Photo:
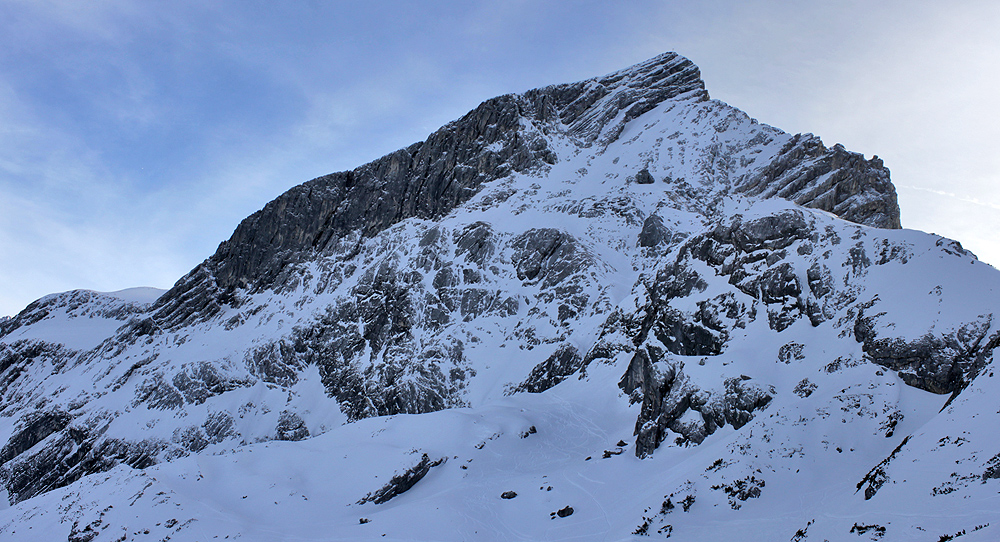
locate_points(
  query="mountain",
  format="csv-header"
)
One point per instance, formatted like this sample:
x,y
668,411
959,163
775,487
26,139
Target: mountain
x,y
604,310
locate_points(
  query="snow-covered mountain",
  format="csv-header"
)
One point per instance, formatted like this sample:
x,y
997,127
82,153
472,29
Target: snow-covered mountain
x,y
604,310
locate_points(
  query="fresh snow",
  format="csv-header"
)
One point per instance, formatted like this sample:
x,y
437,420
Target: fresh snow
x,y
142,294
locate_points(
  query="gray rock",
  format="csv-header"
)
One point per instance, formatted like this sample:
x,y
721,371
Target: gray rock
x,y
402,482
34,428
545,256
219,426
565,361
853,188
17,359
424,180
290,427
667,394
365,345
937,363
644,177
992,468
790,352
84,534
275,363
476,242
69,454
654,232
192,438
616,336
804,388
193,384
399,374
75,303
878,476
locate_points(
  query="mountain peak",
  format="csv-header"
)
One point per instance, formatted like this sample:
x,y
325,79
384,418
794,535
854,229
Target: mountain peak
x,y
600,107
667,70
504,135
515,134
559,278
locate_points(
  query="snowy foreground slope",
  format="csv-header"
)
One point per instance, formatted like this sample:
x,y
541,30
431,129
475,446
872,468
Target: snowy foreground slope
x,y
607,310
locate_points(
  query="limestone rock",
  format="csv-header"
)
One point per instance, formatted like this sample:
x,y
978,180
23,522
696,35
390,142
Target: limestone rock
x,y
833,179
291,427
402,482
644,177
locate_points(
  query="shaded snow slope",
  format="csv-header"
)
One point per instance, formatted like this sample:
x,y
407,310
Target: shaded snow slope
x,y
617,296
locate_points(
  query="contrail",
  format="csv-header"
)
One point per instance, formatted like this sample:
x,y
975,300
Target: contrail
x,y
952,195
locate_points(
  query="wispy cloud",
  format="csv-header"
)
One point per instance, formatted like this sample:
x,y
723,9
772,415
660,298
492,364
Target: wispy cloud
x,y
964,199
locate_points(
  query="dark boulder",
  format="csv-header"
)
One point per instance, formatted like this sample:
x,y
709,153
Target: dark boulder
x,y
402,482
290,427
644,177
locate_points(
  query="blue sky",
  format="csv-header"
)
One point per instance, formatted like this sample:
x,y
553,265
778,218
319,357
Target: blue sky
x,y
134,136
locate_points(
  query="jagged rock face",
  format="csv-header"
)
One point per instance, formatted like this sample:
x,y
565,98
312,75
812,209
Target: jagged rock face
x,y
403,481
508,134
834,180
780,269
624,235
291,427
38,426
940,363
74,304
671,402
50,449
562,363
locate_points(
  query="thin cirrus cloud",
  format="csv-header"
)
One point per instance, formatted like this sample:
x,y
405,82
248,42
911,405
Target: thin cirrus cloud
x,y
134,137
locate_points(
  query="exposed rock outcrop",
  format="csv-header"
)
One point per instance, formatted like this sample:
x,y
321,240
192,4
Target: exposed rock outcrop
x,y
402,482
565,361
831,179
425,180
291,427
943,363
671,401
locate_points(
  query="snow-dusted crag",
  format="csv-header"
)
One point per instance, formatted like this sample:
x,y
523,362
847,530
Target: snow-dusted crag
x,y
607,309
